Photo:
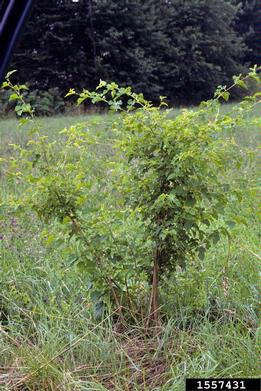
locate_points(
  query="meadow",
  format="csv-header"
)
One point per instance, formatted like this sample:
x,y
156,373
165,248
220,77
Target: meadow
x,y
52,337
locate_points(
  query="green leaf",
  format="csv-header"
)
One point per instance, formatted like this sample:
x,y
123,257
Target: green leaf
x,y
71,92
10,73
101,84
239,82
13,97
24,121
226,95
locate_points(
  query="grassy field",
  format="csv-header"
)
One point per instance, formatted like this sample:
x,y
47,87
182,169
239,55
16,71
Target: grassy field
x,y
51,340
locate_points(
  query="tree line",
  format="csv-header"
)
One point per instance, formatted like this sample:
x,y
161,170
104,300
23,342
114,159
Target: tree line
x,y
181,49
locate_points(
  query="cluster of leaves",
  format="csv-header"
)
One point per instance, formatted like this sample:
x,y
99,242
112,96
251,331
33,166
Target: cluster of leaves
x,y
45,103
155,203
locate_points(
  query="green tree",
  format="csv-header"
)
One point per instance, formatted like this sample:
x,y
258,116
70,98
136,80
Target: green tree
x,y
249,27
181,49
51,53
174,48
205,50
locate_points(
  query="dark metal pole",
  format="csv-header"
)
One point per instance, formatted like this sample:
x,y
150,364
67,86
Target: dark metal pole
x,y
13,15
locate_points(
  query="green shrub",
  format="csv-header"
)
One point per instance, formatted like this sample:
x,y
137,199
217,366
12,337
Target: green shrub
x,y
45,103
6,106
154,204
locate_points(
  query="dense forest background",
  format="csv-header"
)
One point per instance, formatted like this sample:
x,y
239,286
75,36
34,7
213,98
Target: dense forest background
x,y
181,49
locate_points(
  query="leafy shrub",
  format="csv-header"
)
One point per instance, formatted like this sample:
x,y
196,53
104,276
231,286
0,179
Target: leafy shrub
x,y
155,204
6,106
45,103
